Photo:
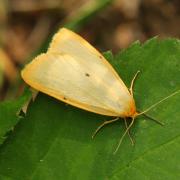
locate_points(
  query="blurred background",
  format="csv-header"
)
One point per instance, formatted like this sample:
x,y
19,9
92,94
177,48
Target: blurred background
x,y
27,26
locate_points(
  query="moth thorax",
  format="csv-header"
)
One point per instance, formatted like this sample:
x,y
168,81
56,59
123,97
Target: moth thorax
x,y
132,110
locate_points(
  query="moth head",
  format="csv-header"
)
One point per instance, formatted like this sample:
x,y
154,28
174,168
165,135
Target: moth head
x,y
132,112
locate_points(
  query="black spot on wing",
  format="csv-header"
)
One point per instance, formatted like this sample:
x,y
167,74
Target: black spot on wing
x,y
64,98
87,74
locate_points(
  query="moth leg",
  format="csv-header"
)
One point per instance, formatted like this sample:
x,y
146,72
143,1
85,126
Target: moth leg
x,y
122,137
130,137
103,124
132,82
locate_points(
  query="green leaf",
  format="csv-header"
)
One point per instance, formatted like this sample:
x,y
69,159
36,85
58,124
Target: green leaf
x,y
9,114
54,140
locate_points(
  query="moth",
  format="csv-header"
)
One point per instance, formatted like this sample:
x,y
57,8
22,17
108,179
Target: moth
x,y
76,73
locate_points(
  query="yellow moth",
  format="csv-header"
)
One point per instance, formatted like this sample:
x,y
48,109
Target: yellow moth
x,y
75,72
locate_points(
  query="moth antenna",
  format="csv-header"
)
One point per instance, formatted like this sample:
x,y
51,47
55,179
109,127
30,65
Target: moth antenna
x,y
148,109
132,82
122,137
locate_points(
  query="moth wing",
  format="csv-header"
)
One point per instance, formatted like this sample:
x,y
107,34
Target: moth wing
x,y
68,42
85,84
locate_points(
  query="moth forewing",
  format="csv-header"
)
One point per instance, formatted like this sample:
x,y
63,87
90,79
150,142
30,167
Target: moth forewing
x,y
68,42
65,77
